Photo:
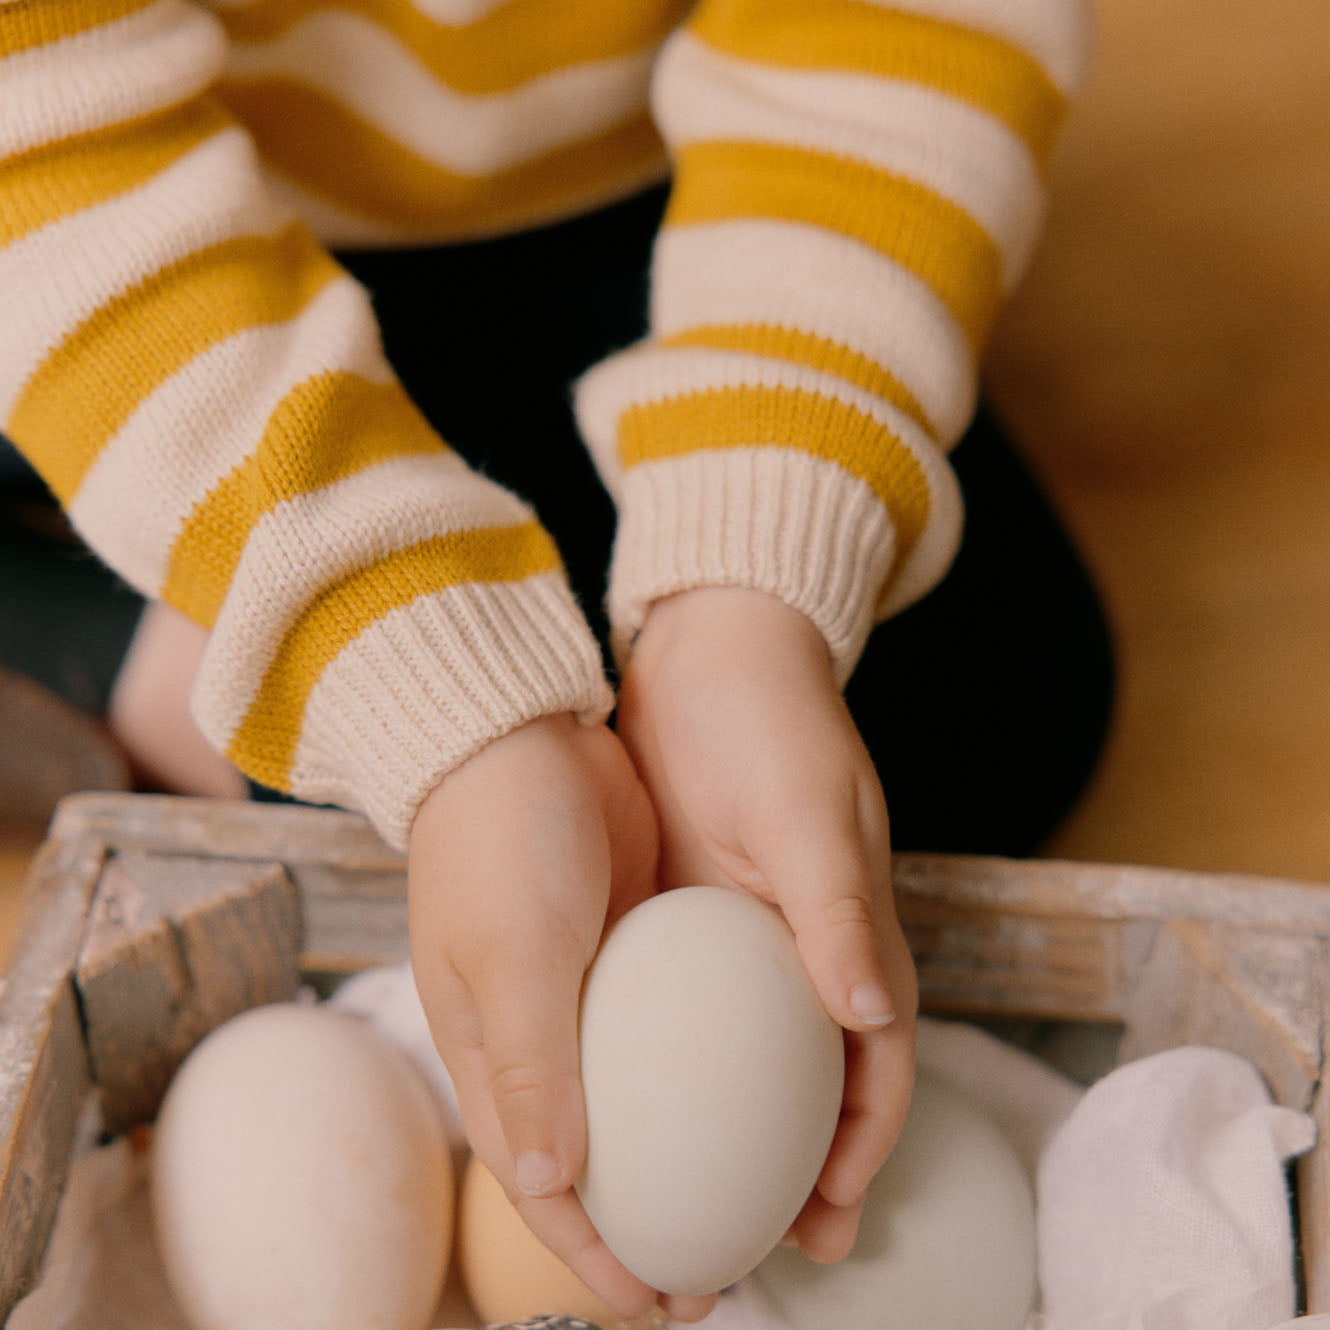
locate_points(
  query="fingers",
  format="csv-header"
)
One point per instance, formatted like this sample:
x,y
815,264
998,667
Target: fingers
x,y
562,1225
879,1079
688,1307
878,1083
510,871
513,865
816,865
527,995
826,1232
829,871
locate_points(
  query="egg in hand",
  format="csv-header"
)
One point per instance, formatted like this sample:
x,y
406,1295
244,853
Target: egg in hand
x,y
713,1079
509,1275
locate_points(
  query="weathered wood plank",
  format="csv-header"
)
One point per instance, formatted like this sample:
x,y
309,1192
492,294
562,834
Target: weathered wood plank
x,y
988,959
41,1147
222,828
1202,985
174,946
354,917
44,1080
1114,891
1049,887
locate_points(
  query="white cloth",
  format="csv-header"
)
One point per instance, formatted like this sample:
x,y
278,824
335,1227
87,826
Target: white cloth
x,y
1162,1203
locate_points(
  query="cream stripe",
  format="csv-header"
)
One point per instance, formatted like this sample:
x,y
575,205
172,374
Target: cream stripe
x,y
60,275
702,95
648,373
528,652
1057,33
776,519
301,545
651,374
795,276
204,420
469,135
152,59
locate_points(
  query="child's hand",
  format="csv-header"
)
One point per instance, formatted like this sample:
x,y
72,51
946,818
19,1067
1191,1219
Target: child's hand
x,y
517,862
760,781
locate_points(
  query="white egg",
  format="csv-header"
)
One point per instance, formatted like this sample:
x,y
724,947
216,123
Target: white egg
x,y
713,1080
301,1178
946,1241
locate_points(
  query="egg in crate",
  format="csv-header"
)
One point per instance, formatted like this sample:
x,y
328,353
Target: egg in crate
x,y
946,1240
301,1178
509,1275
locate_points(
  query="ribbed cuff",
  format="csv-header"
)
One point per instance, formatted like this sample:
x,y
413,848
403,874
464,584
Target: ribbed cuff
x,y
426,686
769,519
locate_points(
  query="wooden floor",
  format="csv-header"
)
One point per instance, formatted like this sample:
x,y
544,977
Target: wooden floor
x,y
1167,365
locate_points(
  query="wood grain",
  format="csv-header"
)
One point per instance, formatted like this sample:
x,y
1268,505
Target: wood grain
x,y
44,1078
175,945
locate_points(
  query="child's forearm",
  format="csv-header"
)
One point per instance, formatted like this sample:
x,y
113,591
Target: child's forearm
x,y
858,187
203,388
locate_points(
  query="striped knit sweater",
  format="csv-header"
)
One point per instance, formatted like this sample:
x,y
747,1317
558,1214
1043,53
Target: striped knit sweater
x,y
856,185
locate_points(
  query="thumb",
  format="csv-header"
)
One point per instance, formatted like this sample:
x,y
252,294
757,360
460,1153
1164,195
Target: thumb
x,y
526,994
816,867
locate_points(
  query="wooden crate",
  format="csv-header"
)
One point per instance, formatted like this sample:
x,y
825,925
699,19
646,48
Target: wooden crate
x,y
150,920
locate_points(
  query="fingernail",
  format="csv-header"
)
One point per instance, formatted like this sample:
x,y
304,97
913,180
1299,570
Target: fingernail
x,y
870,1002
537,1172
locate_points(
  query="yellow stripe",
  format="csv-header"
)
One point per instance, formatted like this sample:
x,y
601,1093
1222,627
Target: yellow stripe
x,y
325,429
25,24
820,353
90,385
903,220
265,743
754,417
518,41
60,178
866,38
329,150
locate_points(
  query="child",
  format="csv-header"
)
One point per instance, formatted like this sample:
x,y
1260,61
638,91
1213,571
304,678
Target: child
x,y
855,186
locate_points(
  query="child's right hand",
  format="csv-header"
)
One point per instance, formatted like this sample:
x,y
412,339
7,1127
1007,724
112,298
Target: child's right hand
x,y
518,862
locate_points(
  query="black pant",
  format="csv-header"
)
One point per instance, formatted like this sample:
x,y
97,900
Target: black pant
x,y
984,706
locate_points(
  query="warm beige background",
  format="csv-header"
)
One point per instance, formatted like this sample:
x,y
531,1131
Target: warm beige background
x,y
1168,365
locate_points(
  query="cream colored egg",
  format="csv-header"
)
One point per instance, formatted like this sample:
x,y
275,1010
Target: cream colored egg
x,y
947,1238
713,1080
301,1179
508,1273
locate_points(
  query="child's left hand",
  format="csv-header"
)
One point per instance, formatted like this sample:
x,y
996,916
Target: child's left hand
x,y
760,781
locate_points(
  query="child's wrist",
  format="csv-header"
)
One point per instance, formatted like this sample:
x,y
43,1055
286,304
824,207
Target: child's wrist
x,y
722,618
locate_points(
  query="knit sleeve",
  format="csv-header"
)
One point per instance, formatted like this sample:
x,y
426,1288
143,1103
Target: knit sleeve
x,y
858,185
203,388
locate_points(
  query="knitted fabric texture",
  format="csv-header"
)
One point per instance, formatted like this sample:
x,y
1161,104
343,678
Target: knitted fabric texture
x,y
856,187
